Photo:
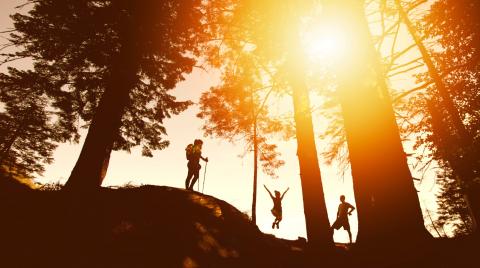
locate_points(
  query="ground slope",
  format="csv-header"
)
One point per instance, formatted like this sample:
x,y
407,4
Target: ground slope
x,y
148,226
154,226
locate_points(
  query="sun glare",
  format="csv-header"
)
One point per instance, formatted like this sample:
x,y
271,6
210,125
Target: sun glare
x,y
324,44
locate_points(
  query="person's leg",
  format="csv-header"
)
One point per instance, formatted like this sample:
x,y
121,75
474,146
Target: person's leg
x,y
189,177
349,235
196,175
278,220
335,226
346,226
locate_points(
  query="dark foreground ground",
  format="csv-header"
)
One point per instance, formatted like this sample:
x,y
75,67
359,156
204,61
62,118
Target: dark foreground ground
x,y
152,226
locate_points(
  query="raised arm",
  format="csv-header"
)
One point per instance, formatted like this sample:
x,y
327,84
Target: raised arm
x,y
285,193
270,193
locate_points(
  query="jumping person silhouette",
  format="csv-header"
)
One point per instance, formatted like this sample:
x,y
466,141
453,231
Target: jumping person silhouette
x,y
194,154
277,206
344,210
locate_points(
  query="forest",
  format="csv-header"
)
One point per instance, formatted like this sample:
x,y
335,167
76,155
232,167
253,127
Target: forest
x,y
395,83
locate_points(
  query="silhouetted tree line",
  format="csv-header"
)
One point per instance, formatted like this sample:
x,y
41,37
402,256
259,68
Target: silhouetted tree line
x,y
109,66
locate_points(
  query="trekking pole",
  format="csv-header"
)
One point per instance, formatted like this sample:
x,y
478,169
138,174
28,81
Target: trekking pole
x,y
204,175
198,185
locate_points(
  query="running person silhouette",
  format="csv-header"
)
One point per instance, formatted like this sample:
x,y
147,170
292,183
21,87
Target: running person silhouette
x,y
344,210
277,206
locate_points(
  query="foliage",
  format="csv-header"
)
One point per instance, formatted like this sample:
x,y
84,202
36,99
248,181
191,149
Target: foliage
x,y
29,131
233,109
453,27
452,205
75,44
77,48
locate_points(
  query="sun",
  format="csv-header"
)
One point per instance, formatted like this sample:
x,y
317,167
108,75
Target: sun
x,y
324,44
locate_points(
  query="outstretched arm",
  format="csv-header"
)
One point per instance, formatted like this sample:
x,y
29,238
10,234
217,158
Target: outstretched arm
x,y
204,158
285,192
270,193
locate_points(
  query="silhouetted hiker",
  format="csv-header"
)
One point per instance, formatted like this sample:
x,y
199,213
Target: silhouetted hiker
x,y
194,154
277,206
344,210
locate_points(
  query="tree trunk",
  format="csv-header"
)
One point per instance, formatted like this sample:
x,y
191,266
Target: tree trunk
x,y
463,137
387,203
92,164
255,172
319,234
9,144
433,223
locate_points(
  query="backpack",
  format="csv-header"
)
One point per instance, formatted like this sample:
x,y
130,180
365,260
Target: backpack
x,y
189,151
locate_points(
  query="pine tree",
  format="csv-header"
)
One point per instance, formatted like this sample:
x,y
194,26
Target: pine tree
x,y
115,63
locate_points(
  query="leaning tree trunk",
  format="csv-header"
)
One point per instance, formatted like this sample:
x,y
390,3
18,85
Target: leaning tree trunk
x,y
319,234
387,202
465,164
92,164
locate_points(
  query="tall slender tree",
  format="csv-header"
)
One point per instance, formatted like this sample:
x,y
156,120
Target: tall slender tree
x,y
313,194
454,25
461,161
237,109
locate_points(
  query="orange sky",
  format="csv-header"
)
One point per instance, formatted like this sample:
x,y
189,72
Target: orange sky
x,y
228,177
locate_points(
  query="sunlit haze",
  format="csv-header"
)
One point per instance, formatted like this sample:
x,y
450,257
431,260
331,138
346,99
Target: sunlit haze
x,y
324,43
228,175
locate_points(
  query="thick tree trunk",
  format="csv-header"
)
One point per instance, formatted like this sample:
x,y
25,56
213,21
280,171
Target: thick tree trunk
x,y
387,203
92,164
319,234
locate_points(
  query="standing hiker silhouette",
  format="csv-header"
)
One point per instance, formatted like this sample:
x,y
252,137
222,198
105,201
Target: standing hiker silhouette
x,y
194,154
344,210
277,206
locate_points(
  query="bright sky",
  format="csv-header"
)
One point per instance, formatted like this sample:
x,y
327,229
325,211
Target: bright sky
x,y
228,176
